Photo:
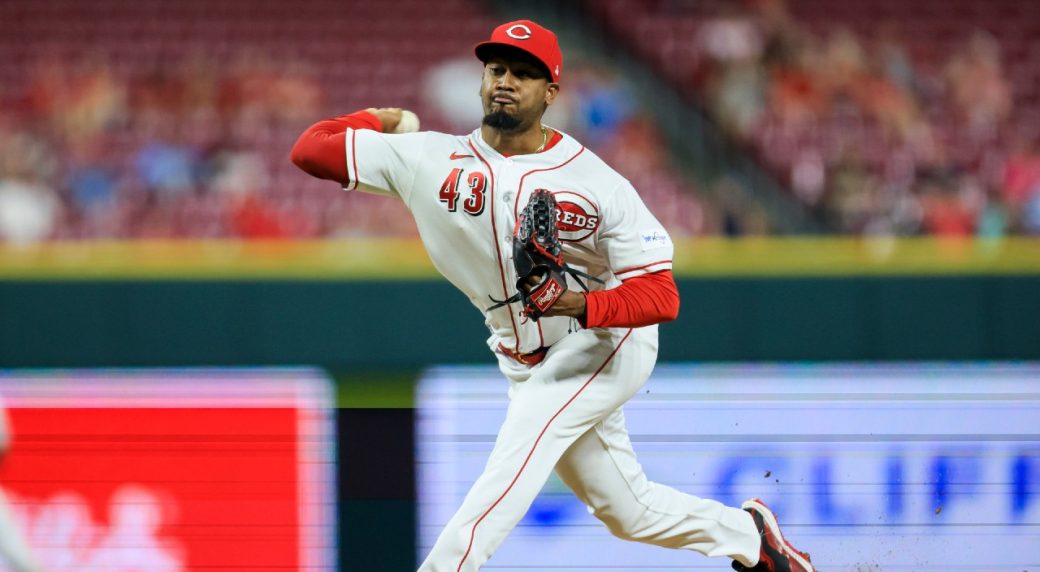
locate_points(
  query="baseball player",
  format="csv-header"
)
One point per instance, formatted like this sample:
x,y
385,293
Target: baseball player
x,y
572,358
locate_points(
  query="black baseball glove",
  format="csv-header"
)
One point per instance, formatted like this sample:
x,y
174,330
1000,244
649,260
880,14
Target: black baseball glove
x,y
538,258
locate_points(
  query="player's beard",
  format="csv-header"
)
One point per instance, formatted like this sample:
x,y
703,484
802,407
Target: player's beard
x,y
502,121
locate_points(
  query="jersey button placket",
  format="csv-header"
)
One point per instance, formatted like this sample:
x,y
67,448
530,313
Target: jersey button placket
x,y
506,176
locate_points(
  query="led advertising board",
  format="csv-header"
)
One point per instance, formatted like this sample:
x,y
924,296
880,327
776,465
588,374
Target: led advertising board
x,y
869,467
172,470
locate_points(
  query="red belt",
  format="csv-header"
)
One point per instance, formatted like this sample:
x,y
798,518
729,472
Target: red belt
x,y
532,358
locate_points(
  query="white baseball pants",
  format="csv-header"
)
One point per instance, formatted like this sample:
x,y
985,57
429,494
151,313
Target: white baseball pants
x,y
564,414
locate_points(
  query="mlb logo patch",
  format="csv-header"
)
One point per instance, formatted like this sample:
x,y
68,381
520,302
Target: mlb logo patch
x,y
655,238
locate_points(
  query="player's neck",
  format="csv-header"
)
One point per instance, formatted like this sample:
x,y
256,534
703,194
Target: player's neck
x,y
507,143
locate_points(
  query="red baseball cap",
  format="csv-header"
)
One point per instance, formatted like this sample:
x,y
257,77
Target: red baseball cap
x,y
529,37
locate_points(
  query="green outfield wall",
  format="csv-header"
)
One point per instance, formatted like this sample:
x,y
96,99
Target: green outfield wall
x,y
382,324
113,304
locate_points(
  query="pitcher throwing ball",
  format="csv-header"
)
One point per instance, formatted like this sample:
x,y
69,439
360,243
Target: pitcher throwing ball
x,y
572,274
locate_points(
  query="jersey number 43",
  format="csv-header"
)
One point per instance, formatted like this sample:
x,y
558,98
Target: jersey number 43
x,y
473,204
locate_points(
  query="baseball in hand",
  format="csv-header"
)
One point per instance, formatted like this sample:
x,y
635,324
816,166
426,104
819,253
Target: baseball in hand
x,y
409,122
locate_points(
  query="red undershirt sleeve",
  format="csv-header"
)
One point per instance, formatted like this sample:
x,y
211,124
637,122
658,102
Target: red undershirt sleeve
x,y
320,150
639,301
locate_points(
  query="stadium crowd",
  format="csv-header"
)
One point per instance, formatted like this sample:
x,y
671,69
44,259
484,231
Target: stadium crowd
x,y
191,149
872,136
883,119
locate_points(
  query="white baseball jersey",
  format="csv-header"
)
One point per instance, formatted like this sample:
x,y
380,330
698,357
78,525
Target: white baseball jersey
x,y
466,197
565,412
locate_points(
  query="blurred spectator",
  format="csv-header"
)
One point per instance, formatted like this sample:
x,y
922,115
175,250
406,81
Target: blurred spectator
x,y
28,211
603,105
238,172
978,89
732,36
29,208
734,44
78,100
889,104
946,213
809,176
636,148
166,169
1031,216
739,215
91,178
849,206
252,217
450,89
738,95
894,61
797,96
844,62
1021,181
993,219
783,36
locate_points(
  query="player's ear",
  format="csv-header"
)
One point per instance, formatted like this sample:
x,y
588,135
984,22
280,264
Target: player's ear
x,y
483,81
551,91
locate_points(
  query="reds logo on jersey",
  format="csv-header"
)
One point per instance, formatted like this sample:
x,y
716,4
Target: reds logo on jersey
x,y
577,217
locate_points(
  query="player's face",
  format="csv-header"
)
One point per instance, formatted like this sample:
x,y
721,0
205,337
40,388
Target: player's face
x,y
515,93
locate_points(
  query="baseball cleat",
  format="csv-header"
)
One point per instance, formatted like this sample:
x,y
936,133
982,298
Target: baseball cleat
x,y
776,554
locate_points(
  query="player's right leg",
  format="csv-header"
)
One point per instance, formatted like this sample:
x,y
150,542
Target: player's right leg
x,y
602,470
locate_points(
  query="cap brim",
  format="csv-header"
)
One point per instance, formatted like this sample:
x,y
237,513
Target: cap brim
x,y
485,51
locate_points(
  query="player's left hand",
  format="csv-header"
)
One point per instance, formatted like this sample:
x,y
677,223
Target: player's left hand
x,y
538,261
569,303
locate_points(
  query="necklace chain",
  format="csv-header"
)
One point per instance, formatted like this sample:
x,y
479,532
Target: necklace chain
x,y
545,139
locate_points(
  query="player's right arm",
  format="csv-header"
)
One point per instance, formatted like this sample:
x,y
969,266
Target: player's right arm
x,y
352,150
319,150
